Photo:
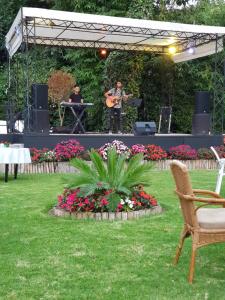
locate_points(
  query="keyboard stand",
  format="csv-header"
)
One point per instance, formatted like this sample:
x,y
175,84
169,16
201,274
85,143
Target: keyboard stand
x,y
77,119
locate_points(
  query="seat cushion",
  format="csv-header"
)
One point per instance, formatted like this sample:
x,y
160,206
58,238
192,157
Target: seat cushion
x,y
211,218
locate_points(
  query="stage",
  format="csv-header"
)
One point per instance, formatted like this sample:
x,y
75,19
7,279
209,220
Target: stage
x,y
95,140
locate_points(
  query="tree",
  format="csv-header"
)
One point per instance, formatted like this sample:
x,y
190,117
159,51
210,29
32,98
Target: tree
x,y
59,86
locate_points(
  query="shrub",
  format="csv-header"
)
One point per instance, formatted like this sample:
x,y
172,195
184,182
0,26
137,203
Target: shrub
x,y
74,200
205,153
183,152
119,146
42,155
221,151
139,200
66,150
154,152
138,148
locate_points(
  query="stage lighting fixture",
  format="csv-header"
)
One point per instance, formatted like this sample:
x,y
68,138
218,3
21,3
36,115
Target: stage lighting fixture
x,y
103,53
172,50
191,50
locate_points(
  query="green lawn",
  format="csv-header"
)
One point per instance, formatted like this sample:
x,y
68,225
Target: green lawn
x,y
44,257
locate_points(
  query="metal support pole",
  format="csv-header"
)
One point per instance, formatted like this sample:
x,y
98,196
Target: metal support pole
x,y
218,88
27,86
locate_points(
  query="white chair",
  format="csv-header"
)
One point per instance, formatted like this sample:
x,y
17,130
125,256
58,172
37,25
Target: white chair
x,y
221,173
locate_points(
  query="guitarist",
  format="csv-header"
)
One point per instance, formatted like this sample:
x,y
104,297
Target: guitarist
x,y
114,113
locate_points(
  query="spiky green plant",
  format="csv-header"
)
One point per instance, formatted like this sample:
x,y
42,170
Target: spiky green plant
x,y
116,174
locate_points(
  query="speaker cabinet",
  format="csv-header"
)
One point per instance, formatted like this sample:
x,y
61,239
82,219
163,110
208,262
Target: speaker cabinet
x,y
201,124
145,128
39,96
40,121
202,102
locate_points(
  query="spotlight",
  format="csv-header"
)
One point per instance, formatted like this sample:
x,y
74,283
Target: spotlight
x,y
191,50
103,53
172,50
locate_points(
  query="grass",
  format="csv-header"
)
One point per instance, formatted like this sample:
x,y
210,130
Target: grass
x,y
44,257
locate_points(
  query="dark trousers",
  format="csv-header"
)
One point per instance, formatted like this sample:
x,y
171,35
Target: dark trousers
x,y
114,119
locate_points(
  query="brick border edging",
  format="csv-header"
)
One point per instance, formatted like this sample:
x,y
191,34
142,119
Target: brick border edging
x,y
111,216
64,167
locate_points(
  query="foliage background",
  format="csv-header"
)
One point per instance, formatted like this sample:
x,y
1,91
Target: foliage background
x,y
154,78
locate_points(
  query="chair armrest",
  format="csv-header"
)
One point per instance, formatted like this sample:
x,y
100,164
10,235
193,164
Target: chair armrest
x,y
206,192
215,201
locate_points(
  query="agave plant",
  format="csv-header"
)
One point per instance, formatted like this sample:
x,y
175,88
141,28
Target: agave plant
x,y
116,174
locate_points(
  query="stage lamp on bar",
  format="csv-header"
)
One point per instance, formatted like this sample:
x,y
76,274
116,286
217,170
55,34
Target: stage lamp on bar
x,y
103,53
172,50
191,50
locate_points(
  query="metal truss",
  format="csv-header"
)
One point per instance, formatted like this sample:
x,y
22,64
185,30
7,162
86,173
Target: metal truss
x,y
92,44
218,89
183,40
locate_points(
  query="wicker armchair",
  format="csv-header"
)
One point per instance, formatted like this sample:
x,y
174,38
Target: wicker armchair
x,y
204,225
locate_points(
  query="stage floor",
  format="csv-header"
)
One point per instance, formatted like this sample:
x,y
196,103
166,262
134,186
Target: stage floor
x,y
96,140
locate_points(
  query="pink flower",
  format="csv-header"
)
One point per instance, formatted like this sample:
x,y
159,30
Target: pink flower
x,y
104,202
86,201
119,206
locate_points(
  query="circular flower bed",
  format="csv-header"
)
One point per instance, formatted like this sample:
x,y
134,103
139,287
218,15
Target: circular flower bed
x,y
75,201
106,189
97,206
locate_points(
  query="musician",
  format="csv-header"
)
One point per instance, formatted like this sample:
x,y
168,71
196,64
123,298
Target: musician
x,y
76,96
114,113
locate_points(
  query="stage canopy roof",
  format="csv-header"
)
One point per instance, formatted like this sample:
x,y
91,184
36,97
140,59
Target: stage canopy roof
x,y
70,29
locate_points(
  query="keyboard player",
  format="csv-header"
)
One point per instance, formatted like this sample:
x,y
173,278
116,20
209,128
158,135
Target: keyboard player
x,y
76,97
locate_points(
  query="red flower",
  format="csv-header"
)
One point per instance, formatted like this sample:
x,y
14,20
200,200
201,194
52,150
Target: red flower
x,y
119,206
86,201
153,202
104,202
107,192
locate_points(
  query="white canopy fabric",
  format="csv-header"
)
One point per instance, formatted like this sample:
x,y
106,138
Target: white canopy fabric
x,y
70,29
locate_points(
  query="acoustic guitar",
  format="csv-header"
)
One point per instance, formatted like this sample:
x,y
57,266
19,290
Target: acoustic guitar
x,y
111,101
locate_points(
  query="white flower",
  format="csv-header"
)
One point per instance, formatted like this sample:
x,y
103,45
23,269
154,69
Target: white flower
x,y
122,202
131,205
127,200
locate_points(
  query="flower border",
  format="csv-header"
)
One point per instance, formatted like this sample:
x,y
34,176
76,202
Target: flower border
x,y
110,216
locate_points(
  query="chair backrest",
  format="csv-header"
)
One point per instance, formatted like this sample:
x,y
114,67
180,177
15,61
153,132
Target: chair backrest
x,y
215,152
183,186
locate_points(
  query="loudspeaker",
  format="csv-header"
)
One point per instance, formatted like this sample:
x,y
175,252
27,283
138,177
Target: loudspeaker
x,y
39,96
201,124
40,121
202,102
144,128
